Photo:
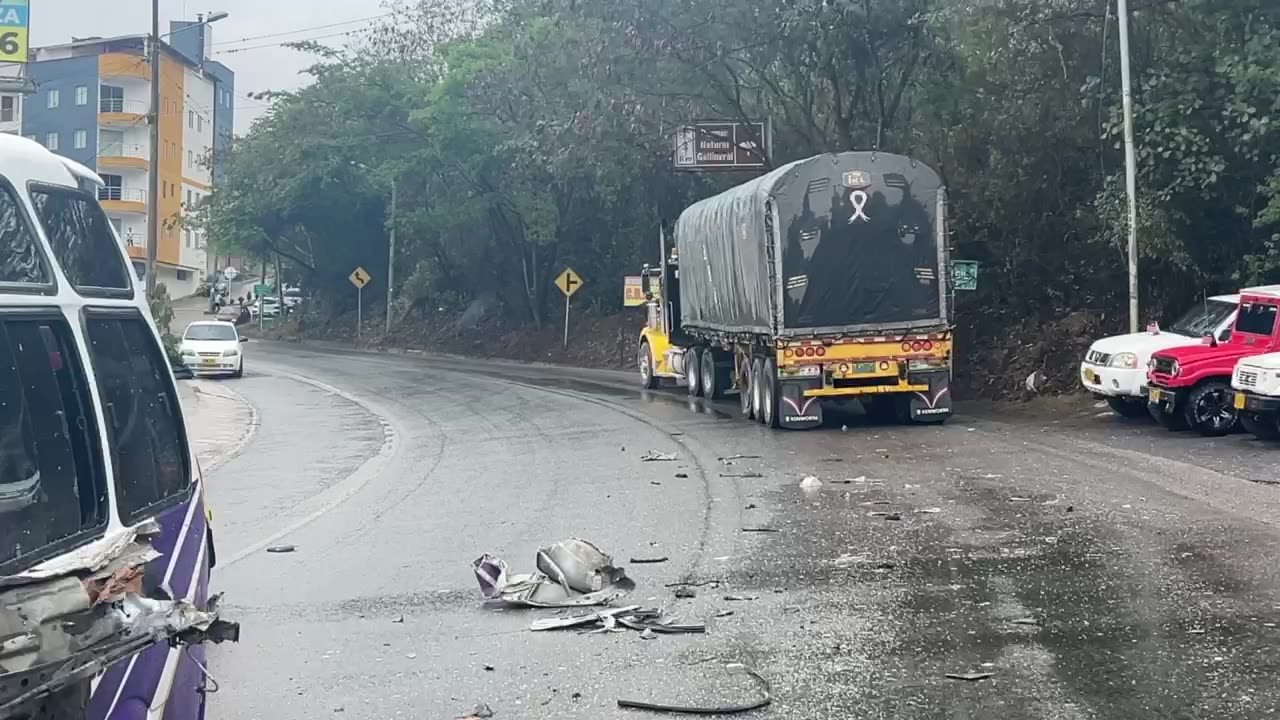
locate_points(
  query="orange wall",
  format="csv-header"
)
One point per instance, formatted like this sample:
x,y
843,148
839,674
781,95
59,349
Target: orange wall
x,y
116,64
172,117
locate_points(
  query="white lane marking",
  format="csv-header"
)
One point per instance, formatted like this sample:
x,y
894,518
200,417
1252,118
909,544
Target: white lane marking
x,y
340,492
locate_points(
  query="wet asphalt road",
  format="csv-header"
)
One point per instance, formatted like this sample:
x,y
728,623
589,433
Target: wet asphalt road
x,y
1097,568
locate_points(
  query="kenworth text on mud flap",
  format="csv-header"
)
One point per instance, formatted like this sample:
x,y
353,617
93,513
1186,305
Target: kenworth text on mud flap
x,y
1115,368
824,280
1190,386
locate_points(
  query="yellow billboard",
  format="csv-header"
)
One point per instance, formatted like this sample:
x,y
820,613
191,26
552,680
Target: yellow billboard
x,y
14,16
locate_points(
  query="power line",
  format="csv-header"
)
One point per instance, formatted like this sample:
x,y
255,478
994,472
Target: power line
x,y
302,30
288,42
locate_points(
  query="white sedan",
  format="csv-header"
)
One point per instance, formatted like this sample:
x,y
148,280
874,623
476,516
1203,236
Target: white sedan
x,y
270,305
213,348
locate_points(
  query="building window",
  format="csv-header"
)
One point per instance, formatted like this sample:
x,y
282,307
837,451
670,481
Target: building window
x,y
82,95
190,158
8,108
51,141
110,99
113,187
191,119
80,139
188,198
55,97
199,123
110,142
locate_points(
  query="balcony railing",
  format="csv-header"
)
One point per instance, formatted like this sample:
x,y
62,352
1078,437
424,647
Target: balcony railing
x,y
115,149
126,194
120,105
134,239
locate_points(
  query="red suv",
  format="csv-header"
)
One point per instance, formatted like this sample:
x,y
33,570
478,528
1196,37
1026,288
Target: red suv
x,y
1190,386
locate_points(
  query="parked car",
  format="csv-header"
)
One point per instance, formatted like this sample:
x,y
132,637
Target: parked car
x,y
270,307
1115,368
1256,382
213,348
292,297
1190,386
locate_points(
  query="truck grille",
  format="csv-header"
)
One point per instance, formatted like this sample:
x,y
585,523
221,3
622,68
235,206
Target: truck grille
x,y
1097,358
1246,378
1163,365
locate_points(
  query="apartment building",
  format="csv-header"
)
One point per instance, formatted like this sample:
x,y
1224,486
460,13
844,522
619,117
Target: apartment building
x,y
91,104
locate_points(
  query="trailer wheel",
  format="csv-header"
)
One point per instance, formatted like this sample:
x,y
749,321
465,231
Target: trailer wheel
x,y
746,385
757,379
715,376
769,394
648,380
693,370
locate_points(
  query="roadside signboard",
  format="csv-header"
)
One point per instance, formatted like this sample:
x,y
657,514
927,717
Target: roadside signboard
x,y
632,291
569,282
261,289
964,274
722,145
14,16
360,277
230,273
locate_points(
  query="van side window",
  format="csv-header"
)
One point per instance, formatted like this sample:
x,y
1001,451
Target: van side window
x,y
82,242
51,490
20,258
144,424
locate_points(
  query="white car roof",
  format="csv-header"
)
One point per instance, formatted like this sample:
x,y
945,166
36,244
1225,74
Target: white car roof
x,y
223,323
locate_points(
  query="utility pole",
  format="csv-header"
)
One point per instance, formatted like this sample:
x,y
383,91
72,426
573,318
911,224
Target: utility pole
x,y
153,180
1130,163
391,257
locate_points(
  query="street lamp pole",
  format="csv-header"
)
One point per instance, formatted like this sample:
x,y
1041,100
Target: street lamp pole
x,y
391,257
1130,163
153,179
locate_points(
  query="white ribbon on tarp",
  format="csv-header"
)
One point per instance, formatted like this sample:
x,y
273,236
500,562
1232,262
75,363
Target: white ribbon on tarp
x,y
859,199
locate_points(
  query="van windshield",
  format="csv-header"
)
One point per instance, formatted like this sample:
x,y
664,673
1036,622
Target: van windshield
x,y
1256,319
1203,318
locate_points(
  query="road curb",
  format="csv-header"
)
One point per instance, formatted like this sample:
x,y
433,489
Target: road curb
x,y
200,389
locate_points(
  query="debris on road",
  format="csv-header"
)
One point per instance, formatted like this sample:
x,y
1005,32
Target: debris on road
x,y
970,676
282,549
724,613
759,530
479,712
728,459
741,598
650,561
810,483
726,709
631,617
1027,621
684,592
648,634
655,456
682,476
398,619
570,573
832,460
931,511
741,475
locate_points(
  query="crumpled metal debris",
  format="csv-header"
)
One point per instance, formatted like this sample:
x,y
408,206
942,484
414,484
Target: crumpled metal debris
x,y
655,456
631,617
570,573
764,700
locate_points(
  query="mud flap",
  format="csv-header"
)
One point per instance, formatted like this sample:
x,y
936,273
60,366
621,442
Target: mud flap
x,y
795,411
933,406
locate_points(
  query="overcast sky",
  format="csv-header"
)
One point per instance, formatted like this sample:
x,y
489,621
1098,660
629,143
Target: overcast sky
x,y
267,68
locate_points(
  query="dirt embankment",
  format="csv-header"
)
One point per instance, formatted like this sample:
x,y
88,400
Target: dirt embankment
x,y
989,365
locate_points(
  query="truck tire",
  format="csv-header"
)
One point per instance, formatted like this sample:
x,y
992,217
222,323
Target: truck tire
x,y
1128,407
715,376
1261,427
693,370
745,389
757,379
648,380
769,395
1209,410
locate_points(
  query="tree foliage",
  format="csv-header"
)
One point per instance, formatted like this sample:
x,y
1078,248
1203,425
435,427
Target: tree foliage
x,y
525,135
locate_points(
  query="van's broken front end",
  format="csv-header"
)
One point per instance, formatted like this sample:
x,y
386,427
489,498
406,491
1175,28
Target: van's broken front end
x,y
66,621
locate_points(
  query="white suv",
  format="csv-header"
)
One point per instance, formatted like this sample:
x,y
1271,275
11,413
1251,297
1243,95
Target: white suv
x,y
1115,368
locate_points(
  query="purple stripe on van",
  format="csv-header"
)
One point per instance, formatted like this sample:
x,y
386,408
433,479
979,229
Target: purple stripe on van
x,y
188,555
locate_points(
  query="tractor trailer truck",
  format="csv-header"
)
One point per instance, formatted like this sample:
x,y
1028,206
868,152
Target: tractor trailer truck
x,y
823,281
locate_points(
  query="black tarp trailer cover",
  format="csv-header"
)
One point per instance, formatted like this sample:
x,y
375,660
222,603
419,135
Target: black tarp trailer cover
x,y
860,236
